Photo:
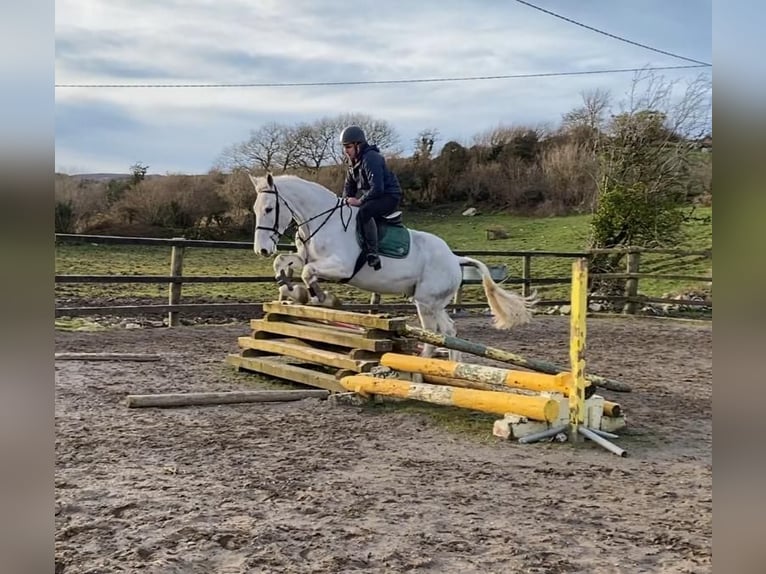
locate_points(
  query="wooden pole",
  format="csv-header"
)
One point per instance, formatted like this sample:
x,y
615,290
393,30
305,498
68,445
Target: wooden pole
x,y
533,407
107,357
577,348
453,382
511,378
221,398
174,289
631,284
526,275
612,409
496,354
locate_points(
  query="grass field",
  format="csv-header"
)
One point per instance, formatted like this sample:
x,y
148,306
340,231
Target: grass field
x,y
464,233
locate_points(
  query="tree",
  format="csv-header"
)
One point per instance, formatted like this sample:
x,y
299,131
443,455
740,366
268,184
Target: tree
x,y
424,143
289,151
64,217
644,161
315,143
138,172
586,122
259,151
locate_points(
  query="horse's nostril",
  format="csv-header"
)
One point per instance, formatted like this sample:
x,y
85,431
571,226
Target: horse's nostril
x,y
264,252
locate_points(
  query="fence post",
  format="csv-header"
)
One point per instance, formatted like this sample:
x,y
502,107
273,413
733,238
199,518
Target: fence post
x,y
631,284
526,275
174,289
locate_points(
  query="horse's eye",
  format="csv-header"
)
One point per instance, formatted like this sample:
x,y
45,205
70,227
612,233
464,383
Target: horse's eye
x,y
269,209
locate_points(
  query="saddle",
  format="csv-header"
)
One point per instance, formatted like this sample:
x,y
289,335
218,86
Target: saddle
x,y
393,240
393,236
394,218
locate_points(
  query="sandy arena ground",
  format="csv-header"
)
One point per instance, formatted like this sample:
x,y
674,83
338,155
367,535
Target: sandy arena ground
x,y
310,487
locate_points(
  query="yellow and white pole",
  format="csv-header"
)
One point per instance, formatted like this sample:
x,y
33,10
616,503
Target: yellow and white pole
x,y
577,347
533,407
538,382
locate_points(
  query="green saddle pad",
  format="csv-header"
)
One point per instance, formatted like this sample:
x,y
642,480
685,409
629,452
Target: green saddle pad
x,y
393,240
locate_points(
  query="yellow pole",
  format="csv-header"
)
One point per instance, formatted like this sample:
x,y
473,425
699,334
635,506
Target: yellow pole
x,y
532,407
612,409
538,382
577,347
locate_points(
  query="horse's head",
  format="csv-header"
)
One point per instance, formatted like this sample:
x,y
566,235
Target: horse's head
x,y
272,216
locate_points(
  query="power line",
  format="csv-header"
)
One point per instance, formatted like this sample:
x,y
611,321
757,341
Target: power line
x,y
621,39
371,82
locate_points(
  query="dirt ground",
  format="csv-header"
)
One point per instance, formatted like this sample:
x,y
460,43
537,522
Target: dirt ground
x,y
311,487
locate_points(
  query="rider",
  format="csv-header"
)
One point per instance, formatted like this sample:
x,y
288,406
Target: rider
x,y
370,185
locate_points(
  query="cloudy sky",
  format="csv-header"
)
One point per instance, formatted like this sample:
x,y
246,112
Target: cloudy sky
x,y
184,129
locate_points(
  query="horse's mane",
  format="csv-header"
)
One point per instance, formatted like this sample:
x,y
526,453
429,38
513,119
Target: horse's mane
x,y
297,179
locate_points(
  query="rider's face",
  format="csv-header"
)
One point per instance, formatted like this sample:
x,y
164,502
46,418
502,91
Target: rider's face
x,y
350,151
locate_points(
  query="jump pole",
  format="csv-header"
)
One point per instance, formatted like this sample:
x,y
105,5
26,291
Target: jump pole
x,y
504,356
577,428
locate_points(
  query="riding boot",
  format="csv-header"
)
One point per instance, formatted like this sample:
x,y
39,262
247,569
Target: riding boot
x,y
371,239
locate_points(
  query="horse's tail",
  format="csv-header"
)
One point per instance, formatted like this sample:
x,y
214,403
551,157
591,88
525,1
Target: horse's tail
x,y
508,308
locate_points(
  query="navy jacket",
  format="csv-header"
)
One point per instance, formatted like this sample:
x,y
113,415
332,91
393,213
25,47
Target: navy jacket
x,y
370,177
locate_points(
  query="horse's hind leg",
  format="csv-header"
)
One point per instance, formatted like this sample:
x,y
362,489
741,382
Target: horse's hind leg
x,y
429,322
446,326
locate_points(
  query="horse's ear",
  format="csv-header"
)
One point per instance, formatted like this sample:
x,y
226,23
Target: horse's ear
x,y
253,180
270,180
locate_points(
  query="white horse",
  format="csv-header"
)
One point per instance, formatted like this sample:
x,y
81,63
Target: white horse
x,y
430,274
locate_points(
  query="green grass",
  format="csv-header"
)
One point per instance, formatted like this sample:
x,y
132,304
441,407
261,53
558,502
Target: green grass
x,y
464,233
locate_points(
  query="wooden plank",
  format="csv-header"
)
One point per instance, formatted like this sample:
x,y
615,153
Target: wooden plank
x,y
143,357
303,351
339,328
222,398
665,277
161,279
351,340
379,321
275,367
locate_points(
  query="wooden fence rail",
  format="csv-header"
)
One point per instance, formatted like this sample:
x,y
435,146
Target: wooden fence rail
x,y
630,298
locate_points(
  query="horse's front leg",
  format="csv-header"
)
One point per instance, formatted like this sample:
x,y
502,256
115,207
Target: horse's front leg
x,y
326,269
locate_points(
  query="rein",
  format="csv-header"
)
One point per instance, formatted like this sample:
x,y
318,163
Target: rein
x,y
329,212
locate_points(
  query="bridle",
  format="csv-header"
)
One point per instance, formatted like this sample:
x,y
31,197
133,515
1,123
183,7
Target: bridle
x,y
276,234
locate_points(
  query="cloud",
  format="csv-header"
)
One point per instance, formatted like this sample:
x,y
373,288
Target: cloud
x,y
237,41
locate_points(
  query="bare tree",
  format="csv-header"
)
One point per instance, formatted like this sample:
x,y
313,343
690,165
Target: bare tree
x,y
258,152
289,153
316,142
591,114
645,161
495,137
687,114
424,143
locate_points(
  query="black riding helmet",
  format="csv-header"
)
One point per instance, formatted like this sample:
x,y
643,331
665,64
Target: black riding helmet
x,y
352,134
